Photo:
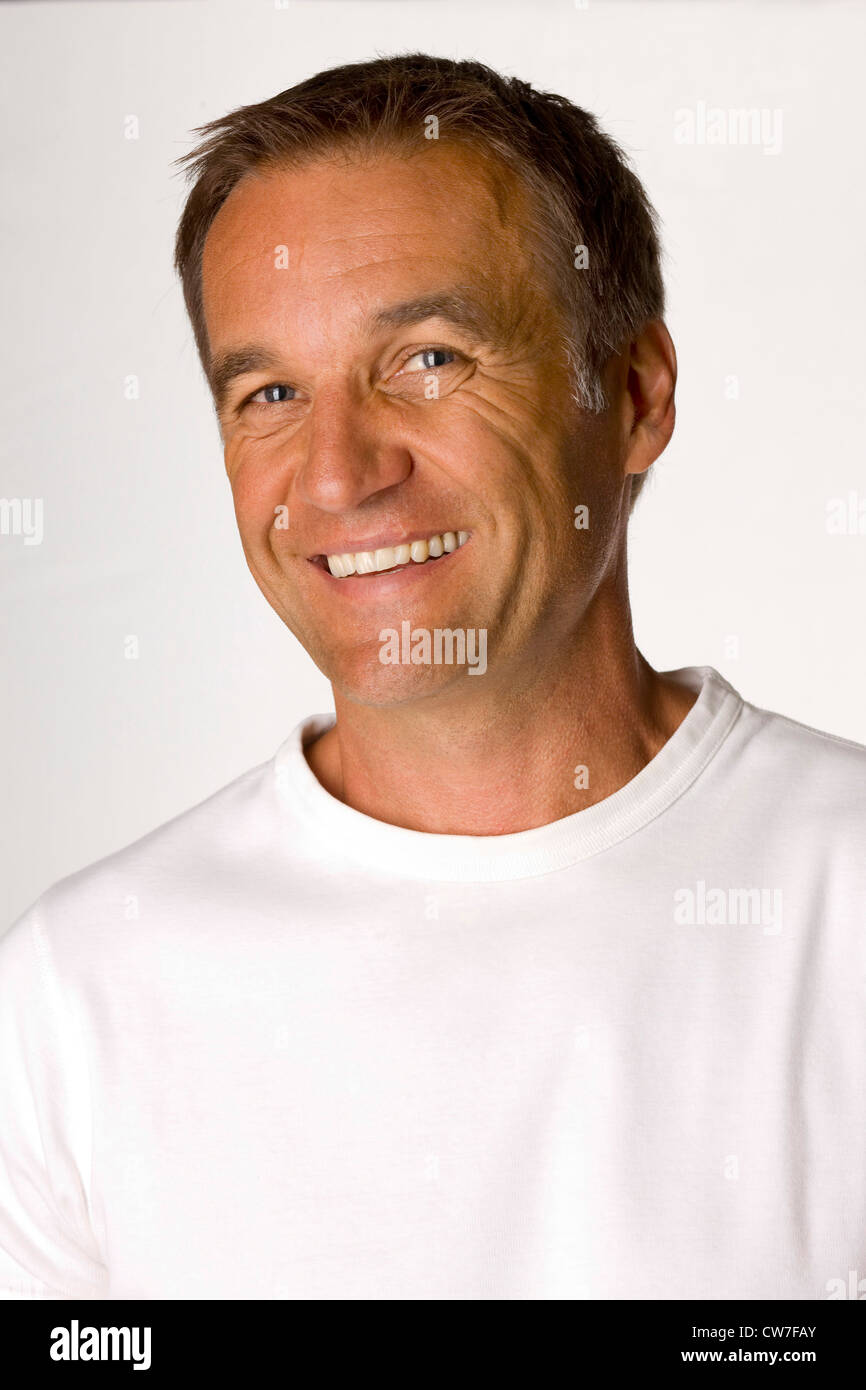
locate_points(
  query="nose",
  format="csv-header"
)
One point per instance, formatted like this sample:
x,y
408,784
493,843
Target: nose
x,y
353,452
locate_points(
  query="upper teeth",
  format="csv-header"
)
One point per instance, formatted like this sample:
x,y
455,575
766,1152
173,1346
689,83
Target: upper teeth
x,y
372,561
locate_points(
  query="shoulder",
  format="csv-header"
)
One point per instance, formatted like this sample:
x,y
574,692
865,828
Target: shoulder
x,y
152,880
791,783
799,755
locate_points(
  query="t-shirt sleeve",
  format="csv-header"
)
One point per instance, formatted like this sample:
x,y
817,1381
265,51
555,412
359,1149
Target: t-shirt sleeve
x,y
47,1245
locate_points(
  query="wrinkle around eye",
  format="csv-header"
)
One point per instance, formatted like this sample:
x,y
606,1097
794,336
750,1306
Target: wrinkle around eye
x,y
261,420
451,375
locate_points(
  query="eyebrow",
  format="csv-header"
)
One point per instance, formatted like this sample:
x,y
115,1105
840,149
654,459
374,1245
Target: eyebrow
x,y
235,362
460,307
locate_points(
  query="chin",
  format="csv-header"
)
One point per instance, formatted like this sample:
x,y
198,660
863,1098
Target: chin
x,y
363,679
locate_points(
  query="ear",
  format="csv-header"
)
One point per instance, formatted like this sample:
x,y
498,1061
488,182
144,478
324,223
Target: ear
x,y
651,378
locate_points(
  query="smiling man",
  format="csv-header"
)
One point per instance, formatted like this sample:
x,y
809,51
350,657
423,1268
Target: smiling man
x,y
544,984
403,445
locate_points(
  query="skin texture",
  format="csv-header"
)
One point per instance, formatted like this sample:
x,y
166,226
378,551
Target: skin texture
x,y
360,453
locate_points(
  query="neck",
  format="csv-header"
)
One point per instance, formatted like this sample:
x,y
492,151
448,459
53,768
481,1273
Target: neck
x,y
501,753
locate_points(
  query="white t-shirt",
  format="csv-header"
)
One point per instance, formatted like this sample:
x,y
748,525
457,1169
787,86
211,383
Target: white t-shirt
x,y
279,1049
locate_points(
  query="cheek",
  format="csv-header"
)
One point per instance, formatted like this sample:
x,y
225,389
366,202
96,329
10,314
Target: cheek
x,y
259,491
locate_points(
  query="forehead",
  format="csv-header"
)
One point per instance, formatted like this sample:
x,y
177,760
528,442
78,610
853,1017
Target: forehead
x,y
348,232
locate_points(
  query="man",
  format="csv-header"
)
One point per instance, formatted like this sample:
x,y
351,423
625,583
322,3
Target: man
x,y
535,973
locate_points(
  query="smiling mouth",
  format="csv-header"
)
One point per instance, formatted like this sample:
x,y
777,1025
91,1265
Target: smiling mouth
x,y
392,557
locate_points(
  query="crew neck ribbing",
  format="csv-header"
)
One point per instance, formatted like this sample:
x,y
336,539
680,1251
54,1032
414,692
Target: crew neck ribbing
x,y
415,854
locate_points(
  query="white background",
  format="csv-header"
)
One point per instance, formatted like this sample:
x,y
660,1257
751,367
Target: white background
x,y
765,276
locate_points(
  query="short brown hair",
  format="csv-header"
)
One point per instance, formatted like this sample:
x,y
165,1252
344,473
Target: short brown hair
x,y
587,194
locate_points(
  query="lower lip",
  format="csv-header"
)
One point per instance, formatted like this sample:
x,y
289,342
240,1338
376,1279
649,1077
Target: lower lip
x,y
379,585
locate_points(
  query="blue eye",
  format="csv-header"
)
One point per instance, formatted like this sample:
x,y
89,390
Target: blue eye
x,y
430,358
271,396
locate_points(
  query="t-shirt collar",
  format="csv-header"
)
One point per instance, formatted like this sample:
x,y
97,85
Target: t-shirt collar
x,y
394,851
